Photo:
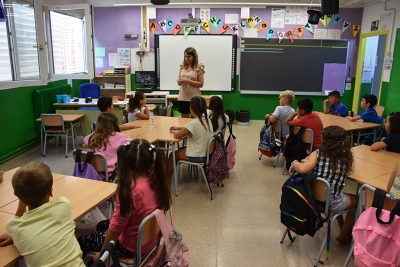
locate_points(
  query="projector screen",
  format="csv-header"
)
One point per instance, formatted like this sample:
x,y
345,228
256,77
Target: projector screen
x,y
216,52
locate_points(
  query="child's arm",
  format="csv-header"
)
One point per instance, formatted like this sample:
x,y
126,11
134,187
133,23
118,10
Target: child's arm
x,y
179,132
128,126
144,115
198,83
378,146
109,236
21,208
306,166
354,118
326,110
5,240
395,172
289,121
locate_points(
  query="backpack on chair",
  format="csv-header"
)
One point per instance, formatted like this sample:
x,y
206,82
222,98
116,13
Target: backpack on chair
x,y
231,147
217,168
295,148
268,146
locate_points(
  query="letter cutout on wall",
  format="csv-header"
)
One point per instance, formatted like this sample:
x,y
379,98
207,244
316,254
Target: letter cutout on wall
x,y
328,19
346,25
170,23
281,35
235,29
257,20
270,33
290,34
163,25
177,28
243,24
299,31
250,21
196,29
224,28
153,27
309,28
323,20
356,29
186,30
336,20
206,26
263,26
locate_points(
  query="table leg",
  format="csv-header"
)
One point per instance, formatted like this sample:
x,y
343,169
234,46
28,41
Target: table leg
x,y
41,140
175,171
83,131
73,135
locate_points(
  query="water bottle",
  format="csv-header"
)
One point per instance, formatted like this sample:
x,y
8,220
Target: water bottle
x,y
151,119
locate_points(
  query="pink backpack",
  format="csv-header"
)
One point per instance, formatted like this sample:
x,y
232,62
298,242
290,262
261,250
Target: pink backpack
x,y
231,148
377,235
173,251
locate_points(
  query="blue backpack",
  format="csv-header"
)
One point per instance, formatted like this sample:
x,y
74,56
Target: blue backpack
x,y
268,145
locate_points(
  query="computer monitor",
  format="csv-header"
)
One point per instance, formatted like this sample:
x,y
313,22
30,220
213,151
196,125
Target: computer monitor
x,y
145,77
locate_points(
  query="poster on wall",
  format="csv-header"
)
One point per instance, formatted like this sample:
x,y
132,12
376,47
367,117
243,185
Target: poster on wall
x,y
112,59
385,21
320,33
278,18
124,56
231,18
204,14
334,33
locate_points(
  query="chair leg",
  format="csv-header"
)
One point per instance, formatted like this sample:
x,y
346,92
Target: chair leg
x,y
283,236
208,184
320,251
349,256
277,157
45,144
283,169
66,145
358,139
260,156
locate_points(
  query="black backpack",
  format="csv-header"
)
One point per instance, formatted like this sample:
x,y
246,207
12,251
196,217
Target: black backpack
x,y
299,210
294,147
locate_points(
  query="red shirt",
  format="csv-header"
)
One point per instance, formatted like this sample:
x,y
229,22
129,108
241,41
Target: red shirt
x,y
312,121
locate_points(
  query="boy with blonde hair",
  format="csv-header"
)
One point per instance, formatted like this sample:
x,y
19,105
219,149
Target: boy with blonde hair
x,y
44,234
283,111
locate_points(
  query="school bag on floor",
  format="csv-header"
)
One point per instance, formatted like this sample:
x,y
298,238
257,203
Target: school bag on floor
x,y
299,210
231,148
294,147
268,145
376,235
217,168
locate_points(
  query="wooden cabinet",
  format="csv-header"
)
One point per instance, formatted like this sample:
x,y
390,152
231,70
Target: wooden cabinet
x,y
102,80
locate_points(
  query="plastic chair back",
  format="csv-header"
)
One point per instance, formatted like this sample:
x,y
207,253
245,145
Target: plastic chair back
x,y
89,90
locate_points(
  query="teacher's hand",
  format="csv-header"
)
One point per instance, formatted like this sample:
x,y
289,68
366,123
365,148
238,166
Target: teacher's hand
x,y
183,80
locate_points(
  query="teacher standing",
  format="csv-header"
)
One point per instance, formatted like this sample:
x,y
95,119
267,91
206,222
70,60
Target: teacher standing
x,y
190,80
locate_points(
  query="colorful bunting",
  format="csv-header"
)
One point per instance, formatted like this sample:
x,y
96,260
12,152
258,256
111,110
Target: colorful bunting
x,y
243,24
186,30
235,29
299,31
250,21
309,28
170,23
153,27
323,20
263,26
270,33
177,28
281,35
196,29
224,28
328,19
257,20
346,25
336,20
290,34
215,21
206,26
163,25
356,29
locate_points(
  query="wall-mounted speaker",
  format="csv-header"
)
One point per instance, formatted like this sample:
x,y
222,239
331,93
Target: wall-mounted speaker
x,y
160,2
329,7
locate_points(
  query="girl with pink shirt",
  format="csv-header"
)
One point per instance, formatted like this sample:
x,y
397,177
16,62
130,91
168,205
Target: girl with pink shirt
x,y
141,189
106,139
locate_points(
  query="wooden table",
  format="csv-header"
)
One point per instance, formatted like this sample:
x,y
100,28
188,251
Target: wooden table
x,y
82,103
73,120
381,181
381,157
158,121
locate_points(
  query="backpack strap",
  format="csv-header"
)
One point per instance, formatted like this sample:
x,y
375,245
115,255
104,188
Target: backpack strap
x,y
89,156
301,131
379,198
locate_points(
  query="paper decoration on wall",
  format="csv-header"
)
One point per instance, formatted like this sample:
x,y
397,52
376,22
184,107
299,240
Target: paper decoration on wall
x,y
215,21
170,23
299,31
163,25
186,30
206,26
346,25
309,28
196,29
328,19
153,27
224,28
256,20
323,20
263,26
204,14
177,28
250,21
243,24
270,33
235,29
356,29
290,34
281,35
336,20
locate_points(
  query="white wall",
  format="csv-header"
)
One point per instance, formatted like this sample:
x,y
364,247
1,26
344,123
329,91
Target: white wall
x,y
374,12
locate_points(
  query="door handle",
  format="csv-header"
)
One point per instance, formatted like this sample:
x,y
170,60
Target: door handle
x,y
41,47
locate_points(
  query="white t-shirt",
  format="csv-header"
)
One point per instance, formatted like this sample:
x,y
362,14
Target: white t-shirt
x,y
132,115
221,125
198,138
282,113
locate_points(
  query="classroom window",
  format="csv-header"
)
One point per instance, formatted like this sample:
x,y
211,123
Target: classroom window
x,y
5,63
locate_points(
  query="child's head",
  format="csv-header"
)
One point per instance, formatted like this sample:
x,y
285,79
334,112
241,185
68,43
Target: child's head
x,y
217,108
105,104
392,124
286,98
198,109
304,106
368,101
334,97
216,104
33,184
139,159
137,101
107,125
336,147
190,58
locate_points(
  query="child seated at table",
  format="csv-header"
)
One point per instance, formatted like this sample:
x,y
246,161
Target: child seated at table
x,y
392,141
283,111
308,119
199,132
45,234
217,115
106,139
393,187
137,107
141,189
335,107
334,163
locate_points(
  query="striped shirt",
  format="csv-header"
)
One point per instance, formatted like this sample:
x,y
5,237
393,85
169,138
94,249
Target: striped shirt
x,y
395,190
323,170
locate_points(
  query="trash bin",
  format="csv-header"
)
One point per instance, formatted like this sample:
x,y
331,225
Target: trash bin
x,y
229,113
242,117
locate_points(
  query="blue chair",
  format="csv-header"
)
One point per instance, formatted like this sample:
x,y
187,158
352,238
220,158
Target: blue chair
x,y
89,90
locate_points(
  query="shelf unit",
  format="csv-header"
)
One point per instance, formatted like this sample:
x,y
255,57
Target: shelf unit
x,y
126,79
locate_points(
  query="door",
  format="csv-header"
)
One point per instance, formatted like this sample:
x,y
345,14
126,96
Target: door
x,y
393,95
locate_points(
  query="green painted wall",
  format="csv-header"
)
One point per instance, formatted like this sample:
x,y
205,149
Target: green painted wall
x,y
19,128
75,86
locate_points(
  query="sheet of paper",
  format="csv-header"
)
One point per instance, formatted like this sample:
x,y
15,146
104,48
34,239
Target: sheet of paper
x,y
385,21
291,20
231,18
112,59
301,20
290,11
204,14
250,32
99,51
301,11
320,33
99,62
334,33
124,56
278,18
